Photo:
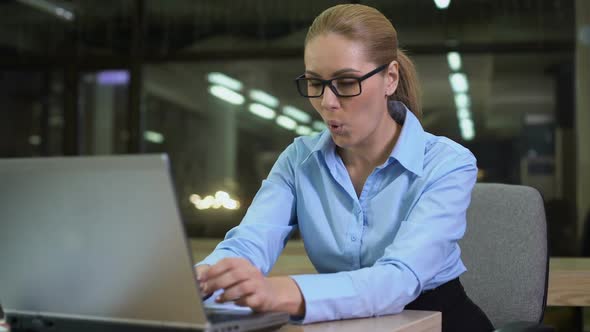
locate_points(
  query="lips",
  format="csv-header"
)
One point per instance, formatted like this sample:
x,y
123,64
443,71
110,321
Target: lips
x,y
334,124
335,127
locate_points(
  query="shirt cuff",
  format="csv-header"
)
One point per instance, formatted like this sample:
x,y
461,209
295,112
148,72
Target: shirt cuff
x,y
327,297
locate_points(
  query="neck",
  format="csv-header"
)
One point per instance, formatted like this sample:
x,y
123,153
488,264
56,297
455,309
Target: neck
x,y
376,148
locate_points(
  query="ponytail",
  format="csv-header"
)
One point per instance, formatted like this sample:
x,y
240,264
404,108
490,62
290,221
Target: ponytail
x,y
408,90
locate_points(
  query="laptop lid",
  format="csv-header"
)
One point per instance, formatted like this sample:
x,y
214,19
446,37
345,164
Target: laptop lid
x,y
95,238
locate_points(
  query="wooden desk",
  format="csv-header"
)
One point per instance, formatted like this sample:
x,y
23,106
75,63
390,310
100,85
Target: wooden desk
x,y
569,278
406,321
569,282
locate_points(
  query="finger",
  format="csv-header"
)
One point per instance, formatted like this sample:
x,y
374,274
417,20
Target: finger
x,y
200,271
239,290
227,280
252,301
223,266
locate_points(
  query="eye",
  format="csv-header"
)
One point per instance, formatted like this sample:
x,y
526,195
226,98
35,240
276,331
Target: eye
x,y
314,83
347,82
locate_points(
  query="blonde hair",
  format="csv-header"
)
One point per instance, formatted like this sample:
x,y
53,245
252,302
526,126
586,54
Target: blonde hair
x,y
370,27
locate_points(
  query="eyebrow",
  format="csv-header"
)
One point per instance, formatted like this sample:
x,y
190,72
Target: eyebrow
x,y
336,73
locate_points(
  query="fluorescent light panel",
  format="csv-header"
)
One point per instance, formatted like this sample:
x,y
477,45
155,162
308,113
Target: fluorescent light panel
x,y
319,125
297,114
454,61
459,82
264,98
154,137
226,94
224,80
286,122
51,8
463,113
462,100
262,111
442,4
303,130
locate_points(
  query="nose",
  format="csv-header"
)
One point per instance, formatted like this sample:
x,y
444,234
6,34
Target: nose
x,y
329,99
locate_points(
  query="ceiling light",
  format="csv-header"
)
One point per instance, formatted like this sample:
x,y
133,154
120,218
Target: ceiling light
x,y
462,100
468,135
226,94
224,80
459,82
454,60
465,124
303,130
51,8
262,111
297,114
319,125
442,4
264,98
286,122
463,113
154,137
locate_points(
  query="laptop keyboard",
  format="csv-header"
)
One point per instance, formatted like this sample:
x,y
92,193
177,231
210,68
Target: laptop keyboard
x,y
217,315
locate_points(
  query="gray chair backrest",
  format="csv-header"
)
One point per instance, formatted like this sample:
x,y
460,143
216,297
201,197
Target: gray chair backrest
x,y
505,251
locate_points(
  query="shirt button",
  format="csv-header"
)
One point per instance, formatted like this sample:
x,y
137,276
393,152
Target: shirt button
x,y
353,238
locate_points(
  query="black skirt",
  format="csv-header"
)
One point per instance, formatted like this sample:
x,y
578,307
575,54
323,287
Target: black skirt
x,y
459,313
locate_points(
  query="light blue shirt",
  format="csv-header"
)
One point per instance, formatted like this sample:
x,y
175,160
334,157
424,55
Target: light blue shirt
x,y
374,253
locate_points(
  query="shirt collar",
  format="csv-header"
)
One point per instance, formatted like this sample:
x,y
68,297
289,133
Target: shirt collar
x,y
409,149
410,146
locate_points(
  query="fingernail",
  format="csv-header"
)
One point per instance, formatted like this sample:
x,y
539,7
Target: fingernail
x,y
218,299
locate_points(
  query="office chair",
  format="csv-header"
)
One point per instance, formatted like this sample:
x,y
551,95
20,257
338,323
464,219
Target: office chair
x,y
505,251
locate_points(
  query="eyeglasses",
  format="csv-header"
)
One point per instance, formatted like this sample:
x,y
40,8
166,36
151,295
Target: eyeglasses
x,y
344,86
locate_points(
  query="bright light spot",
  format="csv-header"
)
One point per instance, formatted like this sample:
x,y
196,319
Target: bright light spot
x,y
442,4
264,98
64,13
297,114
462,100
286,122
468,134
466,124
224,80
303,130
459,82
262,111
226,94
463,113
221,200
154,137
454,60
194,198
319,125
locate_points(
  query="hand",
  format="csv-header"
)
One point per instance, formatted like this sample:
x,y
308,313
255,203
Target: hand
x,y
200,271
242,283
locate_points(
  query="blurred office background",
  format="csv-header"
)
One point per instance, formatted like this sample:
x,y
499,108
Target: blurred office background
x,y
211,84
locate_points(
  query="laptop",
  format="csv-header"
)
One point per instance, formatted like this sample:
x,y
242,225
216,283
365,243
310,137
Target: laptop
x,y
95,243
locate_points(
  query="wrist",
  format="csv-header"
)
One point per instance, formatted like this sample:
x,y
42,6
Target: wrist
x,y
288,296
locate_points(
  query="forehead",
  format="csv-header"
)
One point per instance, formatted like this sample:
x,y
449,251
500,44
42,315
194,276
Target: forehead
x,y
327,53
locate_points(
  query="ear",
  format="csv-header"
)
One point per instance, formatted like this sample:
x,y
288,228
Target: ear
x,y
391,78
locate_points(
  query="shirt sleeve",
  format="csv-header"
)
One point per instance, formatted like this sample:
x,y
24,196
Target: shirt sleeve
x,y
269,221
417,254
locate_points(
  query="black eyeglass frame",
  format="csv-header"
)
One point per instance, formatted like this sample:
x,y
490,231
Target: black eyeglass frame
x,y
333,88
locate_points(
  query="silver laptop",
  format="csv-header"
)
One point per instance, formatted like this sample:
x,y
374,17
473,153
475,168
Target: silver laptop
x,y
94,242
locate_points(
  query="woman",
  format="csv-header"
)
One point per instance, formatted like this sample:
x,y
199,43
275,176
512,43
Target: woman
x,y
380,203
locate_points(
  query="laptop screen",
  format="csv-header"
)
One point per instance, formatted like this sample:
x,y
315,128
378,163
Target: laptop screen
x,y
95,238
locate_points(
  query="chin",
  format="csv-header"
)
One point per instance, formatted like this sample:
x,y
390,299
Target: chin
x,y
343,142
